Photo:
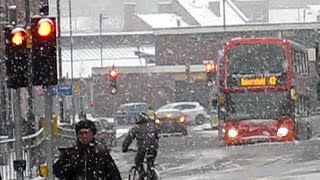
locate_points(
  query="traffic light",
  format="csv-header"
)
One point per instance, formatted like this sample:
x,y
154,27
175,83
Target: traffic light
x,y
44,50
113,75
211,71
17,57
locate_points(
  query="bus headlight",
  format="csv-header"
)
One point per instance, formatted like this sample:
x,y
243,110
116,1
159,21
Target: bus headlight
x,y
232,133
282,131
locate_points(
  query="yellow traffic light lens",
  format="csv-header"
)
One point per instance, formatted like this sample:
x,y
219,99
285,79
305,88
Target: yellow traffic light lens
x,y
44,29
18,38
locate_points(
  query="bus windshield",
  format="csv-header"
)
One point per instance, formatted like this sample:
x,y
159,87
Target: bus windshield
x,y
257,59
254,105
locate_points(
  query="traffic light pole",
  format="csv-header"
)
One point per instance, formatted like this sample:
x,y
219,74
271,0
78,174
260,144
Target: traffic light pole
x,y
49,140
17,128
60,58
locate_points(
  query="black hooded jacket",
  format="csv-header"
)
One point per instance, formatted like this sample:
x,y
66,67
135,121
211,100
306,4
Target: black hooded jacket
x,y
147,135
90,162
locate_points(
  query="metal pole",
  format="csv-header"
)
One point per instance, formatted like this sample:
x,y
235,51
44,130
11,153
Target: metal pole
x,y
17,128
71,58
48,114
100,25
12,15
30,116
60,58
27,12
224,14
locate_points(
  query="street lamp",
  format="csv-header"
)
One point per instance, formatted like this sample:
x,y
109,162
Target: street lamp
x,y
101,17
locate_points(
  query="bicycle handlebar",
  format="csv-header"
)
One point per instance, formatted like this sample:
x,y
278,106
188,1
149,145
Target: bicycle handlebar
x,y
132,150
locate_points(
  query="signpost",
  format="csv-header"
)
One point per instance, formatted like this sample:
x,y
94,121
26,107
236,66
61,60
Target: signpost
x,y
62,90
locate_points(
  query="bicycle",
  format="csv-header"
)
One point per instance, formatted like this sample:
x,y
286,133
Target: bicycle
x,y
152,172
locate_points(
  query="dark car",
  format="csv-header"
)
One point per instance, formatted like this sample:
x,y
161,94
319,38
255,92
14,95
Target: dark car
x,y
127,113
171,121
106,132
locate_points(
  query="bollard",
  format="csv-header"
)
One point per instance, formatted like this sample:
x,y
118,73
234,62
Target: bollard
x,y
44,170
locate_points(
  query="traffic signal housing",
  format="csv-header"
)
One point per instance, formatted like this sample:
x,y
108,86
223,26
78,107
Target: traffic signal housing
x,y
17,57
211,69
113,75
44,50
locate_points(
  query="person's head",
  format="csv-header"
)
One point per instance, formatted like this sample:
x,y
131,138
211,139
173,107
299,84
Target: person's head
x,y
142,118
85,130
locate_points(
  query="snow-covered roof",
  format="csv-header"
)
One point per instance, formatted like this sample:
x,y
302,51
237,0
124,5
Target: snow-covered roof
x,y
291,4
85,59
162,20
230,6
199,10
91,24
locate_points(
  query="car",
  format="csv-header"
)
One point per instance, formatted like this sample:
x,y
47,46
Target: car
x,y
127,113
106,132
195,113
171,121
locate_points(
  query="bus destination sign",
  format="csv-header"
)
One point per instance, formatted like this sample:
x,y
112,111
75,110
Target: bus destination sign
x,y
259,81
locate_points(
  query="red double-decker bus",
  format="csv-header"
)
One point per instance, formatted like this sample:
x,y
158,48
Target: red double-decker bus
x,y
267,91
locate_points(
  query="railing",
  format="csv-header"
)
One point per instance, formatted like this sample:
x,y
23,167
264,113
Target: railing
x,y
33,148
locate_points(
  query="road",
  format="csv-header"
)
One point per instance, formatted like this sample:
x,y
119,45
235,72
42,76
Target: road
x,y
198,156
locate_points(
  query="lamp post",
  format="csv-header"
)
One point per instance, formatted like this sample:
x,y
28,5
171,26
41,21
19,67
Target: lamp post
x,y
71,58
101,17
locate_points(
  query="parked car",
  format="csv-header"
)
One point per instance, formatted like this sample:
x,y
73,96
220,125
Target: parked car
x,y
106,132
127,113
171,121
195,113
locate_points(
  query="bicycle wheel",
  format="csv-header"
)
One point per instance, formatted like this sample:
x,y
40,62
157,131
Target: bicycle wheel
x,y
133,174
155,174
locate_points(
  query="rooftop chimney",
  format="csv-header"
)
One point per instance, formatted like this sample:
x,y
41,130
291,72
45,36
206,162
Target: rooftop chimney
x,y
128,14
214,6
165,7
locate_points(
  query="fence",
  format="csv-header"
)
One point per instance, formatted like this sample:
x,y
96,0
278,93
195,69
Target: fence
x,y
34,152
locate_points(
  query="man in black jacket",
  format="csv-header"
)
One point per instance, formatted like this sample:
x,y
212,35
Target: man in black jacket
x,y
87,160
147,135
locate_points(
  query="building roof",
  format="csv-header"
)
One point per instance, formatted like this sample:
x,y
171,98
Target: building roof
x,y
199,10
85,59
291,4
163,20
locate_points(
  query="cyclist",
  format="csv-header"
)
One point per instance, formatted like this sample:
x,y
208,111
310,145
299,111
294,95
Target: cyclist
x,y
146,133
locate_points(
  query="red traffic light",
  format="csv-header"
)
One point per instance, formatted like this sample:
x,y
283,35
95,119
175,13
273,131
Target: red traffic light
x,y
18,37
210,67
45,27
113,73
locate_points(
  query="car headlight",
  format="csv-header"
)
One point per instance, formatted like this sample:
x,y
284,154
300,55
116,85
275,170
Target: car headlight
x,y
182,119
282,131
232,133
